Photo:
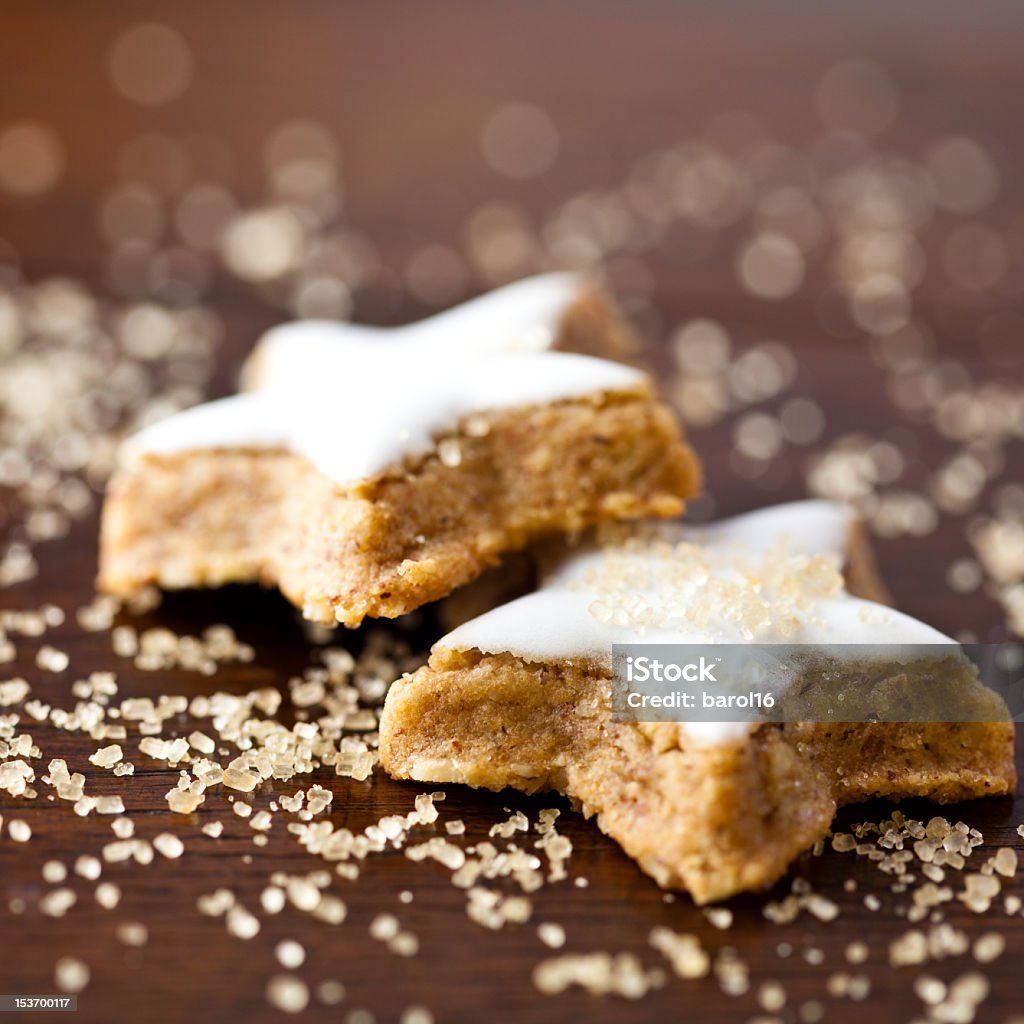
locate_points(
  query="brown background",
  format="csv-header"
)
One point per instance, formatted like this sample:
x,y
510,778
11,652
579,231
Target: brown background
x,y
407,86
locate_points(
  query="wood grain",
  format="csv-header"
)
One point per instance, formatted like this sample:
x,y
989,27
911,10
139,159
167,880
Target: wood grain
x,y
406,86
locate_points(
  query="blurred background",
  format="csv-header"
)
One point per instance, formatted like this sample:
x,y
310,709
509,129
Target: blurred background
x,y
812,213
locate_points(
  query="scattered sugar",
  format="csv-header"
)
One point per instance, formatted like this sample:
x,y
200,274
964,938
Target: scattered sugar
x,y
54,872
684,952
988,947
19,830
168,845
107,757
87,866
287,993
132,933
599,974
273,899
108,895
241,923
123,828
290,954
70,974
719,917
552,935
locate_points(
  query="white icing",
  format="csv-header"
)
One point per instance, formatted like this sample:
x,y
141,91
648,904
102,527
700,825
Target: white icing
x,y
355,400
520,317
555,622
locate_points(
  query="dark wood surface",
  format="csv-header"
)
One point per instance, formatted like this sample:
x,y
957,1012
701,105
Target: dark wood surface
x,y
407,87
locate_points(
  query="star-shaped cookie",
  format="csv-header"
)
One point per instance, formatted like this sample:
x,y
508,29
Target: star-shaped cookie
x,y
367,471
522,697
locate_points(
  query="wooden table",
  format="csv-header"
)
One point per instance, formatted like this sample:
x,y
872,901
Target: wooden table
x,y
407,87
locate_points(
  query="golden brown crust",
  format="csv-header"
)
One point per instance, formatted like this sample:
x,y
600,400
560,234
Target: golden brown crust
x,y
861,569
594,326
384,546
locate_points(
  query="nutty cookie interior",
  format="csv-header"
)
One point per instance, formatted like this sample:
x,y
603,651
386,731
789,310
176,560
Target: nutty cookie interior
x,y
713,818
367,471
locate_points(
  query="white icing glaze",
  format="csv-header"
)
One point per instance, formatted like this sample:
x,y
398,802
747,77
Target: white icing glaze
x,y
355,400
555,622
520,317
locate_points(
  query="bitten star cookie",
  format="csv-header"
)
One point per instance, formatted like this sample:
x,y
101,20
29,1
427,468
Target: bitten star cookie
x,y
368,471
522,697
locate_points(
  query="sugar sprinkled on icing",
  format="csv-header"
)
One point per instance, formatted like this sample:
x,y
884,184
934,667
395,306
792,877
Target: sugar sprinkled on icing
x,y
700,585
771,576
355,400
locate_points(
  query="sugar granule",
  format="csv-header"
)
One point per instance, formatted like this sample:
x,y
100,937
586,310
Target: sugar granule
x,y
70,974
290,954
287,993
